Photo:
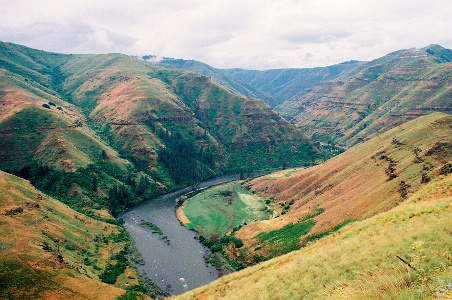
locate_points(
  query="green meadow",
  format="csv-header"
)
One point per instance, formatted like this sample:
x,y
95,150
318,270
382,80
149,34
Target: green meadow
x,y
215,212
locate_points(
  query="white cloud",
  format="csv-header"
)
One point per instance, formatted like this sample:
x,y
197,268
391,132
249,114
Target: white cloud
x,y
248,34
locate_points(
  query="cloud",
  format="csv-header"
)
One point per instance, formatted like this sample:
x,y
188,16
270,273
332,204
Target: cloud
x,y
71,38
249,34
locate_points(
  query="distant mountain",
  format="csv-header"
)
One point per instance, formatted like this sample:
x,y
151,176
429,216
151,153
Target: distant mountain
x,y
218,76
121,120
283,84
375,96
353,101
271,86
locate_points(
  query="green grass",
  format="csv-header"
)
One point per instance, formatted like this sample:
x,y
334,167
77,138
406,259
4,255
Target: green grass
x,y
359,261
20,281
286,239
154,227
217,211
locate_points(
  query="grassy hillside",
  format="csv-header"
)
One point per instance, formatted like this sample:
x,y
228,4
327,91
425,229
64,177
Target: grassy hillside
x,y
360,261
219,210
366,180
375,97
49,251
271,86
283,84
218,76
129,130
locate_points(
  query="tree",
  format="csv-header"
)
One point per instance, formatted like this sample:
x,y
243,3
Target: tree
x,y
103,156
94,183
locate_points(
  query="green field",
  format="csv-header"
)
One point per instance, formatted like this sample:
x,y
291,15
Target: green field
x,y
216,211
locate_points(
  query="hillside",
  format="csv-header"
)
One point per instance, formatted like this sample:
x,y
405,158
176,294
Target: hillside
x,y
375,97
49,251
361,260
283,84
129,130
271,86
368,179
220,77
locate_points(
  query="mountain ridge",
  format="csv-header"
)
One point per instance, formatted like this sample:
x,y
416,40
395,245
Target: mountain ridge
x,y
271,86
172,128
374,97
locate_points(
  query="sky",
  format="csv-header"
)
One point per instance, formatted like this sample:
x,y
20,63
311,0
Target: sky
x,y
250,34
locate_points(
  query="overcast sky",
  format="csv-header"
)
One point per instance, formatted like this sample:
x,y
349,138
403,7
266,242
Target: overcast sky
x,y
248,34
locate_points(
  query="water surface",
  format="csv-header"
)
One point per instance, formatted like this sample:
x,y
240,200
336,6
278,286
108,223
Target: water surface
x,y
178,266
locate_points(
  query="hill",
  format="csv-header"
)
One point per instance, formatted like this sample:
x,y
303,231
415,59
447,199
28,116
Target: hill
x,y
375,96
360,261
366,180
49,251
377,218
271,86
128,130
234,84
283,84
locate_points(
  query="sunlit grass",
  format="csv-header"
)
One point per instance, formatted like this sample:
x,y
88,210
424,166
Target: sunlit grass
x,y
359,261
218,210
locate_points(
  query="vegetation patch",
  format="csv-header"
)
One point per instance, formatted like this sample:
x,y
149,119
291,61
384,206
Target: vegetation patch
x,y
18,280
151,225
112,271
286,239
215,212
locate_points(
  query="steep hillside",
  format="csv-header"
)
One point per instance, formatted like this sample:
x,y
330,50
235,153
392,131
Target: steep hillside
x,y
234,84
49,251
362,260
271,86
119,121
364,181
283,84
375,97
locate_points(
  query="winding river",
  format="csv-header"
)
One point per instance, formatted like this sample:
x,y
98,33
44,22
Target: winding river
x,y
176,265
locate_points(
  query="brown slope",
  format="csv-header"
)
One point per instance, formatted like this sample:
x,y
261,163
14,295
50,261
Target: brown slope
x,y
365,180
375,97
44,245
138,100
359,261
56,135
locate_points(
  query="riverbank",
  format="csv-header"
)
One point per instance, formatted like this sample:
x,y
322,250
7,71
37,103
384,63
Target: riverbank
x,y
184,257
181,216
179,266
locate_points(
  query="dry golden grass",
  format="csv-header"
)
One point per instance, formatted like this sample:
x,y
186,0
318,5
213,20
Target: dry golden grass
x,y
55,271
180,214
360,260
355,185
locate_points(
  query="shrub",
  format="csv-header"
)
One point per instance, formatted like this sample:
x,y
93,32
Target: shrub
x,y
111,272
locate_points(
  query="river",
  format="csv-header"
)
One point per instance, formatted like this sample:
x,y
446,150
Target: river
x,y
177,266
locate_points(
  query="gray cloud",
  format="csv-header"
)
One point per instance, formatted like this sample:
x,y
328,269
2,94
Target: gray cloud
x,y
249,34
70,38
